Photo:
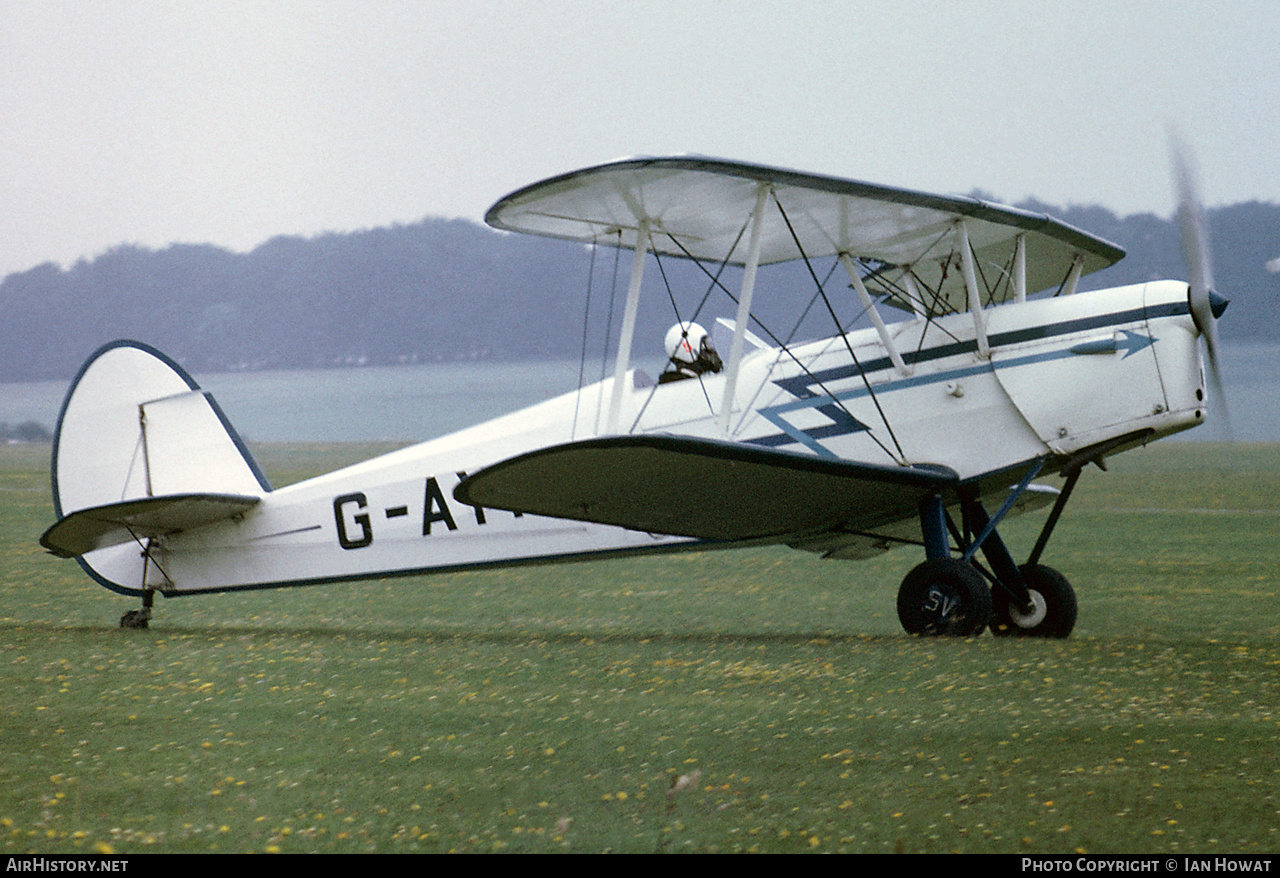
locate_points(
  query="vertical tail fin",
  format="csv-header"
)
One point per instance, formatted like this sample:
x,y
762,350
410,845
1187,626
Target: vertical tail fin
x,y
136,427
135,424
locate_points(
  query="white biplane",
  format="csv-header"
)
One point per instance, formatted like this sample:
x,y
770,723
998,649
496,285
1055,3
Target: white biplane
x,y
928,430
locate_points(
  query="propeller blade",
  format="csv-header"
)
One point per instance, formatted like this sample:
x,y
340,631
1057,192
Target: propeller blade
x,y
1191,224
1206,305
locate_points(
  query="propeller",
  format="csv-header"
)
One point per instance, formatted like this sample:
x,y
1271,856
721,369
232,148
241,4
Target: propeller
x,y
1206,305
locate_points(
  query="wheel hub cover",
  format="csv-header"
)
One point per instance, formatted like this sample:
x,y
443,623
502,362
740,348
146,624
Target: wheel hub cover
x,y
1039,609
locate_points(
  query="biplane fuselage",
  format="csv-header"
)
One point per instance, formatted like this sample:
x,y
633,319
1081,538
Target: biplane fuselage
x,y
843,446
1063,374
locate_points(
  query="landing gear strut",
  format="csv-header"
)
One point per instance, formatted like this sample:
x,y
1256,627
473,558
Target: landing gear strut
x,y
142,618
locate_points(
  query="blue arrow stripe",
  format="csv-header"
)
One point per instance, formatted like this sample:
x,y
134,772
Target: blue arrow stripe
x,y
845,424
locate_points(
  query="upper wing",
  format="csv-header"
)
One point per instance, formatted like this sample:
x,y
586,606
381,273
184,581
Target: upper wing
x,y
703,204
701,488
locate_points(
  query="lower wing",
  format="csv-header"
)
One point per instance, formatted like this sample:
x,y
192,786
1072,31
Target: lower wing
x,y
702,488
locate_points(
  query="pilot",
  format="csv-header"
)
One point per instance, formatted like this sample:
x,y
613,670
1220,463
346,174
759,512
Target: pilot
x,y
689,353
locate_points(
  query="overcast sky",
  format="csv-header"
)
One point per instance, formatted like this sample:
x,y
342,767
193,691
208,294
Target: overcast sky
x,y
230,122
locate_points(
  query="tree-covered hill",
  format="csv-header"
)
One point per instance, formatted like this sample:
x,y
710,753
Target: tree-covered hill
x,y
447,290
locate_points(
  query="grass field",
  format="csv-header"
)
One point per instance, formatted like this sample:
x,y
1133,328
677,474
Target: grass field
x,y
760,700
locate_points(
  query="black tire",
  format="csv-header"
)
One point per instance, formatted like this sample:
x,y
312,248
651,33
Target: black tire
x,y
944,597
1055,613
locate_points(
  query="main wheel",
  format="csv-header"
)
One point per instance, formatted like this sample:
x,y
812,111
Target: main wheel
x,y
944,596
1053,606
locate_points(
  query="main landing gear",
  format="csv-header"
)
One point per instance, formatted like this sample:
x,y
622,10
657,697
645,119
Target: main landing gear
x,y
949,596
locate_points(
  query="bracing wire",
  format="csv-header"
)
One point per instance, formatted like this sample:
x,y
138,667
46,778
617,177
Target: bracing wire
x,y
849,347
608,324
783,346
715,279
671,296
582,357
676,309
613,295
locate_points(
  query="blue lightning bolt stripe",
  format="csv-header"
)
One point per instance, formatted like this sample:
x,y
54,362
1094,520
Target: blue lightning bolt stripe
x,y
843,423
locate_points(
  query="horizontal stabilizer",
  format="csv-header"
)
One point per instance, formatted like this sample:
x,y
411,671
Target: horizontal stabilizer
x,y
116,523
701,488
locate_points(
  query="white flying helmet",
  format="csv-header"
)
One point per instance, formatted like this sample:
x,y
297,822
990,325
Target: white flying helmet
x,y
684,340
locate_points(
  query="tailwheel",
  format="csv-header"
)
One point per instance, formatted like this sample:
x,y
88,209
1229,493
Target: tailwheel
x,y
1053,606
140,618
135,619
944,596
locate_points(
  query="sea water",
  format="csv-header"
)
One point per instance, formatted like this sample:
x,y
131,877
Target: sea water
x,y
413,403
